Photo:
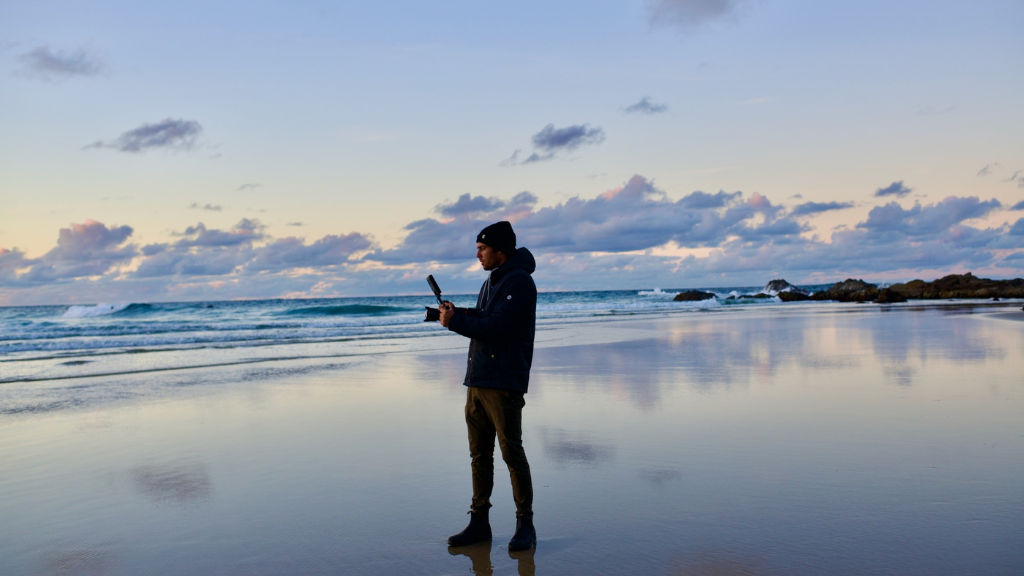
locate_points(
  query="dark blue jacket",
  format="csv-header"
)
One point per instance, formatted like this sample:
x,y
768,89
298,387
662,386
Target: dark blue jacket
x,y
501,327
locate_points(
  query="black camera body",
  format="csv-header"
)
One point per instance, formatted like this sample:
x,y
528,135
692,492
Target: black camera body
x,y
433,315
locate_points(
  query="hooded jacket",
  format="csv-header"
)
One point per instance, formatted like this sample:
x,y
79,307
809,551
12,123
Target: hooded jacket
x,y
502,326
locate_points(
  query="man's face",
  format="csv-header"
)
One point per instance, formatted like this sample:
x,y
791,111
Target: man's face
x,y
489,257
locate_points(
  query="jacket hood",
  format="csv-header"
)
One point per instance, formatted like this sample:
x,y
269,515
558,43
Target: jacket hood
x,y
521,259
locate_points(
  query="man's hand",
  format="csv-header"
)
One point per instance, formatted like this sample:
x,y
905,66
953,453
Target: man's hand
x,y
447,311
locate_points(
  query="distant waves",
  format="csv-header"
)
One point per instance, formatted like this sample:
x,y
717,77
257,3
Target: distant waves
x,y
38,332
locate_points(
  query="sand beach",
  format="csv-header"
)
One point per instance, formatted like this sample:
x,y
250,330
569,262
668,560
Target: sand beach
x,y
804,440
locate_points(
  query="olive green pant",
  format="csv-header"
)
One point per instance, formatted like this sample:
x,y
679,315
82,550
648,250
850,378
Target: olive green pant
x,y
498,413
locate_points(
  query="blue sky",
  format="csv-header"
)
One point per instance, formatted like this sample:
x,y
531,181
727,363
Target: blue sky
x,y
174,151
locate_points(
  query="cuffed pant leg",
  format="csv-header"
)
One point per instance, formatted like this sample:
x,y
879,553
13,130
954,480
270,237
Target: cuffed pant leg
x,y
481,448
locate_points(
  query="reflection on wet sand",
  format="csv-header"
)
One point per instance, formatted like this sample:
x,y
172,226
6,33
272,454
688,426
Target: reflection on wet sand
x,y
659,477
721,563
566,450
710,355
480,556
77,562
176,485
902,347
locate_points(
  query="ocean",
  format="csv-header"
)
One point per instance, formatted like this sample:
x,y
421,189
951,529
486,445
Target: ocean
x,y
44,342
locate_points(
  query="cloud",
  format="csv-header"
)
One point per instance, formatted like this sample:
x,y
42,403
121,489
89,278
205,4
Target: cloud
x,y
46,63
168,134
987,169
89,249
601,241
10,262
249,186
897,189
295,224
631,236
808,208
1018,228
690,14
1018,206
1017,177
645,106
246,231
210,207
551,141
697,200
290,253
636,216
927,220
467,204
202,251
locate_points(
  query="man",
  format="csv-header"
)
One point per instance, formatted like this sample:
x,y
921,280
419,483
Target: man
x,y
501,330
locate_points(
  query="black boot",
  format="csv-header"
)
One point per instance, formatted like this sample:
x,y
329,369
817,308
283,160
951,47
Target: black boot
x,y
525,536
479,530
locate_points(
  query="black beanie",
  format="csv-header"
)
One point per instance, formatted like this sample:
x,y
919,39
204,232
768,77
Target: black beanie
x,y
499,236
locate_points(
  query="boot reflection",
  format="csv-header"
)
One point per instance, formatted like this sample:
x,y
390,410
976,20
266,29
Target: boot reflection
x,y
479,555
525,559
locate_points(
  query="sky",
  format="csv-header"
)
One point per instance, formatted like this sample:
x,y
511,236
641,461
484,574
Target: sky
x,y
173,151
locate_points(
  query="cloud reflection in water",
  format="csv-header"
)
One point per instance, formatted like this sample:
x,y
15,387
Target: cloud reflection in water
x,y
181,485
574,450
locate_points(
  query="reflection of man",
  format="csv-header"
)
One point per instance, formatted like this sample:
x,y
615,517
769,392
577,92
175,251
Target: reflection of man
x,y
480,556
501,330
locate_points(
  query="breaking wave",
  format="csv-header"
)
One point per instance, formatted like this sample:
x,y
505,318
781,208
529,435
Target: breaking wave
x,y
348,310
103,309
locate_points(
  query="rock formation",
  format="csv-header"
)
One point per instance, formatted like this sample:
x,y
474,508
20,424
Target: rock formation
x,y
848,290
793,296
889,296
851,290
778,286
693,296
960,286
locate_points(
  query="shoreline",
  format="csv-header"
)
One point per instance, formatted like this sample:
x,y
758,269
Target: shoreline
x,y
72,365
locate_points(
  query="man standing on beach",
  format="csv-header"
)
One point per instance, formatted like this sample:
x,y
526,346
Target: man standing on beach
x,y
501,330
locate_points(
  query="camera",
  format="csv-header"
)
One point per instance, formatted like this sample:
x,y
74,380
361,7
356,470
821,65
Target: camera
x,y
433,315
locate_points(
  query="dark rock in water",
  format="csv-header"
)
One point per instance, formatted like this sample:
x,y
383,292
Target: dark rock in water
x,y
848,290
779,285
693,296
994,299
791,296
888,296
960,286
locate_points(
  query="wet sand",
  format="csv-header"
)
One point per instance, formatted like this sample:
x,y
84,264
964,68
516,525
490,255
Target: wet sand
x,y
1018,315
859,440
